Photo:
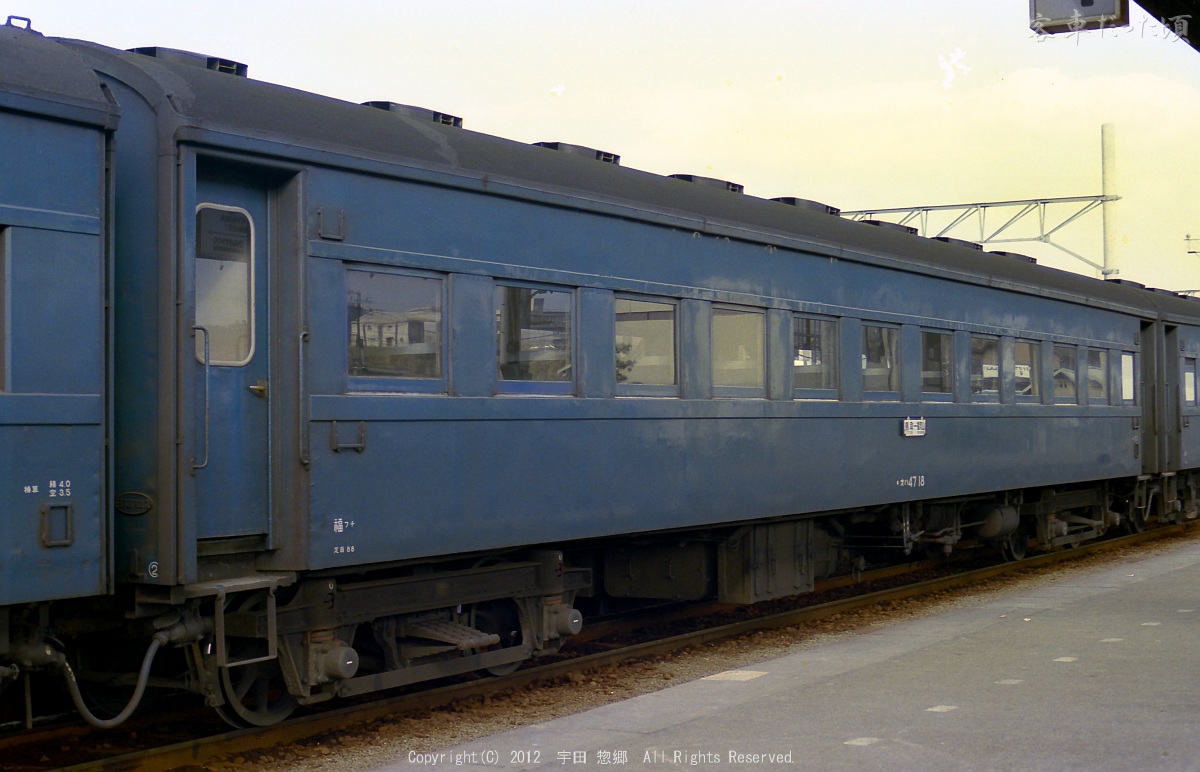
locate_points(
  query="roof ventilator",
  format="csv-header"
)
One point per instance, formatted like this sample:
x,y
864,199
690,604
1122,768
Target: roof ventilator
x,y
959,242
711,182
892,226
175,56
804,203
1014,255
420,113
587,152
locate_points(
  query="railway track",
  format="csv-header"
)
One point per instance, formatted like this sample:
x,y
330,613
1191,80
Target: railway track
x,y
209,748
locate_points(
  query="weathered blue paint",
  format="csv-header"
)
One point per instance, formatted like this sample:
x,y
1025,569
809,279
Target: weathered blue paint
x,y
53,488
464,462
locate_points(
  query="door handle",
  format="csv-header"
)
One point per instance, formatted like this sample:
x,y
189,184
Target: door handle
x,y
259,389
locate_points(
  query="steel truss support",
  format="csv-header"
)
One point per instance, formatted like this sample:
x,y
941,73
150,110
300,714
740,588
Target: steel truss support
x,y
984,217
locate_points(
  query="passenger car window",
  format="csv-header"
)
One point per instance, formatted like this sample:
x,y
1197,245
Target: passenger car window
x,y
1025,368
645,342
936,359
395,325
4,311
985,366
1064,373
224,284
533,333
1098,375
881,371
814,353
1128,390
1189,381
737,347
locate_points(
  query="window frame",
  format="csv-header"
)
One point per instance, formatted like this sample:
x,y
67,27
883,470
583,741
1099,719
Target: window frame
x,y
1035,362
567,387
4,304
835,334
650,389
398,383
1074,349
739,390
1105,377
1188,380
895,369
948,394
1129,358
985,396
204,339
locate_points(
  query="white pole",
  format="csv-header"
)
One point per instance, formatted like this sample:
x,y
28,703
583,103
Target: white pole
x,y
1108,174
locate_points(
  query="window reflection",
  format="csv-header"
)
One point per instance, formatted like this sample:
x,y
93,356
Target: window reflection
x,y
395,325
533,334
1025,368
1097,375
645,342
880,369
935,362
985,366
1064,373
814,353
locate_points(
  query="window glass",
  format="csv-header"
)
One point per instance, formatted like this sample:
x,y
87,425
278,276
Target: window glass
x,y
1098,375
1025,368
814,353
224,284
533,334
737,347
4,311
936,362
985,366
881,371
1064,372
645,345
1128,393
1189,381
395,325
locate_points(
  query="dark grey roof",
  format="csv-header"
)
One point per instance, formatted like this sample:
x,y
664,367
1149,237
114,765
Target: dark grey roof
x,y
299,121
37,75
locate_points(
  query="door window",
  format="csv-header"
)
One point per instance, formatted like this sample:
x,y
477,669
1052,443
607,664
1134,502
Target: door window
x,y
224,284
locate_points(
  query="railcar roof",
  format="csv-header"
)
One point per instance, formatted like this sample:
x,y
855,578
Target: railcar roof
x,y
227,103
38,75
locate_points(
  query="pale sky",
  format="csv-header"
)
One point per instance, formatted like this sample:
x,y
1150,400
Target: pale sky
x,y
860,104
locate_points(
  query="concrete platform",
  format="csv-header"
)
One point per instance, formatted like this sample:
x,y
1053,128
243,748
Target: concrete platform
x,y
1098,671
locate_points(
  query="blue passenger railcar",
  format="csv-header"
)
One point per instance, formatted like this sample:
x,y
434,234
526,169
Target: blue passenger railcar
x,y
478,462
390,397
54,124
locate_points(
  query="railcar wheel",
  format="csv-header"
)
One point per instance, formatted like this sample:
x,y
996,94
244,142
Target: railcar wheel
x,y
255,694
1135,520
1016,546
933,551
502,618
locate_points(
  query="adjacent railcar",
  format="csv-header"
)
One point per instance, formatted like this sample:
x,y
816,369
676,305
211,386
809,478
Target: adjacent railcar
x,y
392,399
55,122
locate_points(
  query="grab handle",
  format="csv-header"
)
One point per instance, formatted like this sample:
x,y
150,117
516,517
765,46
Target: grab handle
x,y
207,368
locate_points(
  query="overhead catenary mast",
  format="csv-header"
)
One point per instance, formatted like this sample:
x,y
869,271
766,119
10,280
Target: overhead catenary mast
x,y
1051,214
1108,185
